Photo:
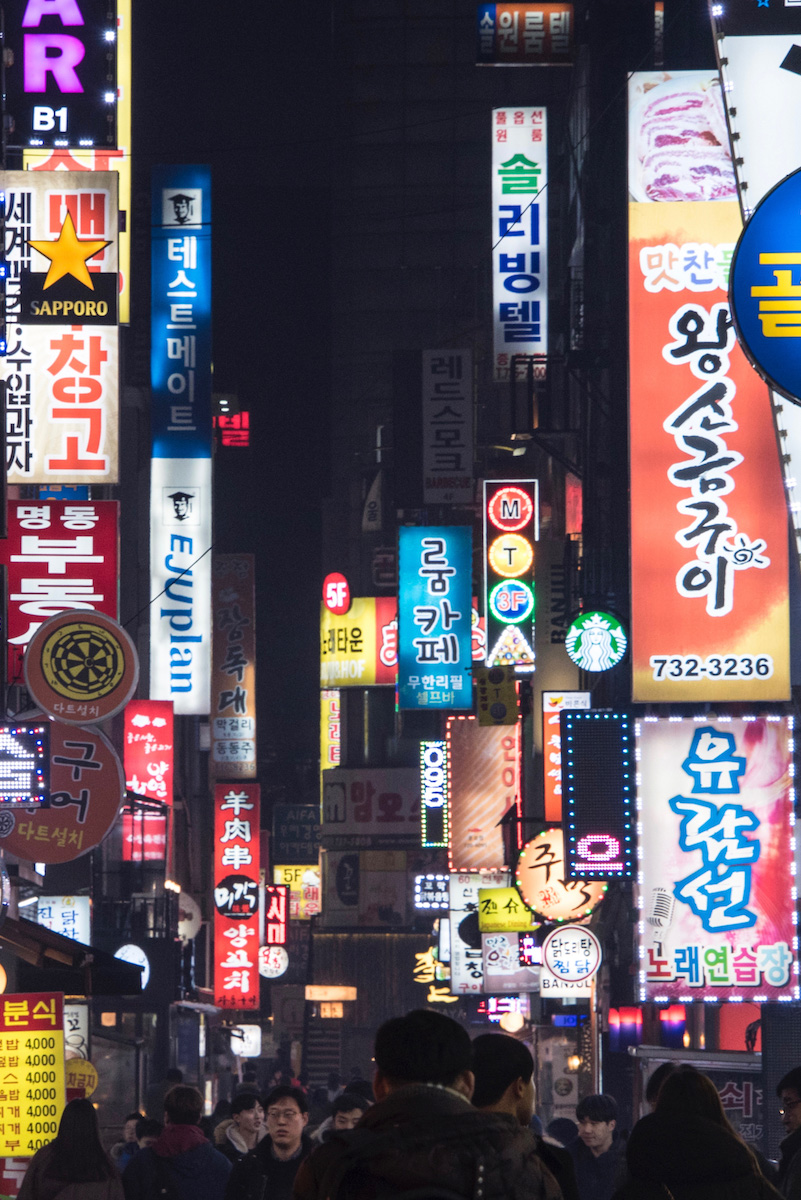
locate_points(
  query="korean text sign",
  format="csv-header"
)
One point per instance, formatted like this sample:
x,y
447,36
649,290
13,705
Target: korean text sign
x,y
467,969
708,515
149,749
484,766
62,79
233,686
62,379
525,33
33,1093
364,807
359,648
519,235
236,895
447,426
58,556
718,878
435,614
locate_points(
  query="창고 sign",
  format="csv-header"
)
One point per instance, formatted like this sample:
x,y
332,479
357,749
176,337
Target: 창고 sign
x,y
81,667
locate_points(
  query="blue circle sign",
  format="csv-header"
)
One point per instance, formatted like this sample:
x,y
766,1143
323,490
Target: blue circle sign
x,y
511,601
765,287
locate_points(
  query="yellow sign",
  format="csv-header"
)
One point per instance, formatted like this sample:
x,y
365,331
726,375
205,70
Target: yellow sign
x,y
304,889
359,648
329,992
500,910
511,555
32,1083
82,1074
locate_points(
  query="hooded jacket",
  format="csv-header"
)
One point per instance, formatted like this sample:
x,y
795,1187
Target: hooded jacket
x,y
696,1159
424,1135
232,1144
183,1156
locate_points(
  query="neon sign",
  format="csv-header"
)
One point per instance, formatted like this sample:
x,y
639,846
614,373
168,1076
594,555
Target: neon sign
x,y
599,794
62,84
510,530
434,793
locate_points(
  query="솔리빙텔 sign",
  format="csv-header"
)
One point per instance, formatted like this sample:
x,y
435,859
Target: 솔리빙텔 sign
x,y
717,885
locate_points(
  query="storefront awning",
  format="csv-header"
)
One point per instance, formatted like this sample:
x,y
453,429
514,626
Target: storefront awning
x,y
50,962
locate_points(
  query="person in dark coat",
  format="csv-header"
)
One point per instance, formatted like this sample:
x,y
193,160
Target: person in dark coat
x,y
423,1132
74,1166
688,1147
504,1071
269,1171
182,1159
789,1093
597,1152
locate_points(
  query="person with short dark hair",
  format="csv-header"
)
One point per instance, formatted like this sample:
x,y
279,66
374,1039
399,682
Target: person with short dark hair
x,y
422,1132
789,1093
346,1112
74,1165
122,1152
246,1128
147,1132
504,1071
269,1170
181,1163
597,1152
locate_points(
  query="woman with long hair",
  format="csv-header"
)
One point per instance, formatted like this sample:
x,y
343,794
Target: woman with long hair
x,y
74,1166
688,1150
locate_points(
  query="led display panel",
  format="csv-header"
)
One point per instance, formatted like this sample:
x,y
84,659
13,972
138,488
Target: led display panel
x,y
434,793
511,528
717,868
24,764
598,784
61,75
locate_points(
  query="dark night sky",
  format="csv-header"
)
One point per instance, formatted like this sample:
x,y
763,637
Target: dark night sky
x,y
244,87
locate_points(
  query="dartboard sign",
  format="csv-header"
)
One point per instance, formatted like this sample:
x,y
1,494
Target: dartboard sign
x,y
81,666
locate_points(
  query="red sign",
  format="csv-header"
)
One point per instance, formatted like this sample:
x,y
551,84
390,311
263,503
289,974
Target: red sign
x,y
336,593
144,836
275,914
236,895
59,555
148,751
87,787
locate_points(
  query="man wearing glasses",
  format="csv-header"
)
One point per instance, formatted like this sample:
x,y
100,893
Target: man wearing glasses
x,y
269,1170
789,1093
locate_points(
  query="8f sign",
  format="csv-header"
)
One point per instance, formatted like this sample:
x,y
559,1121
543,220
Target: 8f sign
x,y
62,81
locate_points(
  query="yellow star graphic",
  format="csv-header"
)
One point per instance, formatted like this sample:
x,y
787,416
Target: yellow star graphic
x,y
68,255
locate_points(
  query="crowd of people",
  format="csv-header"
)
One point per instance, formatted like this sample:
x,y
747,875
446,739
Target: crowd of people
x,y
445,1118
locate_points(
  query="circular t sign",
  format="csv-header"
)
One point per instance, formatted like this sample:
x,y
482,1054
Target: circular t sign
x,y
336,594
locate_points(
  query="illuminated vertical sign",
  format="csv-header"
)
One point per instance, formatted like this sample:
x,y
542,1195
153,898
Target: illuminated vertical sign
x,y
180,485
276,914
484,779
717,865
58,555
554,703
598,775
71,916
102,158
435,615
434,793
519,235
233,684
709,559
62,371
236,895
148,749
61,77
511,527
330,728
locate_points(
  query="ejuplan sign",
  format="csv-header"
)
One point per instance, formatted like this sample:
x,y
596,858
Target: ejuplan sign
x,y
61,76
435,614
180,487
519,235
717,870
61,368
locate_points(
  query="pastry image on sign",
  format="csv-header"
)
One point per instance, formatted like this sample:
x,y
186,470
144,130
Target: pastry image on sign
x,y
81,667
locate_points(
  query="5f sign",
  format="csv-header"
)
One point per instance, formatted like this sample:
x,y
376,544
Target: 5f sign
x,y
62,83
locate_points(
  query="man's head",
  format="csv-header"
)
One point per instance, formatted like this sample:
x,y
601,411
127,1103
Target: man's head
x,y
597,1117
287,1115
789,1093
182,1105
504,1071
422,1047
147,1132
347,1110
247,1113
129,1126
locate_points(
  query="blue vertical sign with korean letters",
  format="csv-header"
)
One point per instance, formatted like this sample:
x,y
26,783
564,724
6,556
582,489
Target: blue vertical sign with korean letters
x,y
434,609
181,474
